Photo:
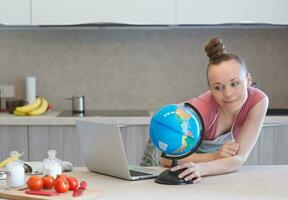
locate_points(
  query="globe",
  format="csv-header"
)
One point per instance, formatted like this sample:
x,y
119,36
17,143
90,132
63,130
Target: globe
x,y
177,131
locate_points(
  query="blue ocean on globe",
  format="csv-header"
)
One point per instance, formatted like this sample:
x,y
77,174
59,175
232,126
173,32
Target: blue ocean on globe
x,y
175,129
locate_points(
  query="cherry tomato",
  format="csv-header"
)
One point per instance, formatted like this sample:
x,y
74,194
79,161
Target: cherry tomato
x,y
61,185
49,107
83,185
35,183
73,183
48,181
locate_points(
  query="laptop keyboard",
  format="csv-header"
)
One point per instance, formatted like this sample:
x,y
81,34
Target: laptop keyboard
x,y
136,173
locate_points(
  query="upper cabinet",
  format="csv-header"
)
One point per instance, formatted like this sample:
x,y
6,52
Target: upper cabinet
x,y
142,12
227,11
67,12
15,12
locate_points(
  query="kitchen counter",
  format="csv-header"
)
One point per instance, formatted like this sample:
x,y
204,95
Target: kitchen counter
x,y
250,182
51,118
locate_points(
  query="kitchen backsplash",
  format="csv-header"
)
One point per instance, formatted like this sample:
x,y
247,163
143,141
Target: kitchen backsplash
x,y
135,69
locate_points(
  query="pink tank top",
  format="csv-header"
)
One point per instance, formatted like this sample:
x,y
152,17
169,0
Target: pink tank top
x,y
208,107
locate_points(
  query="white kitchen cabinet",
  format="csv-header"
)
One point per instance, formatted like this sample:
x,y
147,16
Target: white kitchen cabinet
x,y
271,147
227,11
63,139
35,140
13,138
15,12
66,12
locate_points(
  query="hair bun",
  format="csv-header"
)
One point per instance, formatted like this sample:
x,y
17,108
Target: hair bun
x,y
215,48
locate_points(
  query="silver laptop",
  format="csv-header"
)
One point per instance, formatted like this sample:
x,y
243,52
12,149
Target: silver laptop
x,y
104,151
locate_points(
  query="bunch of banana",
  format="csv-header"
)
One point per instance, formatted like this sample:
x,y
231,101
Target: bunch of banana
x,y
10,159
37,107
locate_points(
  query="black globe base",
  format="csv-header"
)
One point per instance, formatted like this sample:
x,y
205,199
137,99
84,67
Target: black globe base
x,y
171,178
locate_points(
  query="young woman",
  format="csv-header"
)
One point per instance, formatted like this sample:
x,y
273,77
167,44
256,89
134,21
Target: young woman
x,y
233,113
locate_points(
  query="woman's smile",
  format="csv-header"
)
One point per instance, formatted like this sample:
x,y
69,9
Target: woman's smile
x,y
230,101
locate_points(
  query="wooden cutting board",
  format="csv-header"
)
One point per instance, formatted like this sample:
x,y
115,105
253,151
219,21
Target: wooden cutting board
x,y
21,195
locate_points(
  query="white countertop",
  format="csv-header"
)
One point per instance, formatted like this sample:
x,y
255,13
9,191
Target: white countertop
x,y
249,183
50,118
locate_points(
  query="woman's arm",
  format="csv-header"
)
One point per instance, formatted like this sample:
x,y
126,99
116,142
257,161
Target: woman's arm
x,y
195,157
227,150
246,140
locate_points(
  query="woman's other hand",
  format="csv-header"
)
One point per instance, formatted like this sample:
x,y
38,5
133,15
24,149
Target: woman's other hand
x,y
227,150
192,171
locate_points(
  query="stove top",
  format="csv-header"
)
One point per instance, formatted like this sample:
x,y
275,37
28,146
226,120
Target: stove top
x,y
106,113
277,111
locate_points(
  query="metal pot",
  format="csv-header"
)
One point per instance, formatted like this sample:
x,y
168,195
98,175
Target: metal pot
x,y
78,104
11,104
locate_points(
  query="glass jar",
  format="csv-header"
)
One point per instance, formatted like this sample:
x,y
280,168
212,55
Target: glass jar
x,y
52,165
16,172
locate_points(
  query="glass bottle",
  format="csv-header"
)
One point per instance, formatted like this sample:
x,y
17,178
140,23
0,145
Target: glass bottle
x,y
16,172
52,165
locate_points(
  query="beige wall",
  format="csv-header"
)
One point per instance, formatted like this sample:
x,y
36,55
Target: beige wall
x,y
135,69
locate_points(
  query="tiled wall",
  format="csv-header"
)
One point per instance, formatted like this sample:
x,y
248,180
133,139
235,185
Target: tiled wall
x,y
136,69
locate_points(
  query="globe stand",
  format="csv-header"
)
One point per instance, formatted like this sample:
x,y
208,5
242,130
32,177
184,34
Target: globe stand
x,y
169,177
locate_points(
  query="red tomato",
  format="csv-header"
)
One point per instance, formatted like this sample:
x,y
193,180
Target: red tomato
x,y
61,185
35,183
73,183
61,176
48,181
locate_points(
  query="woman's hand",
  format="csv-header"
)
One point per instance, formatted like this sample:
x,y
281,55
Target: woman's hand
x,y
192,171
227,150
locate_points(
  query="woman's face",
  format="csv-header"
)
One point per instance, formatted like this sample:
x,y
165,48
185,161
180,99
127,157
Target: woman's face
x,y
228,83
